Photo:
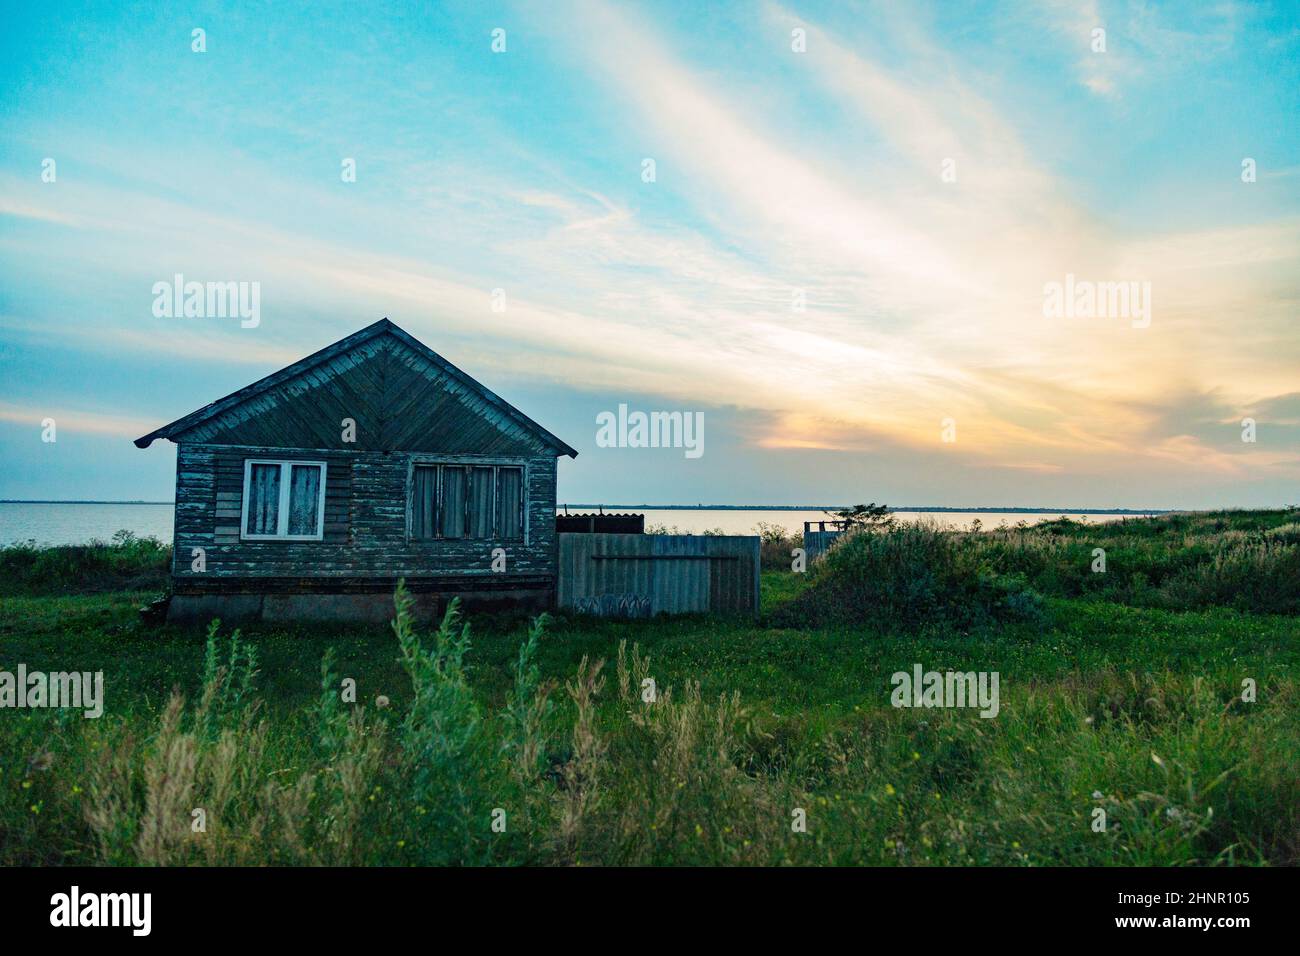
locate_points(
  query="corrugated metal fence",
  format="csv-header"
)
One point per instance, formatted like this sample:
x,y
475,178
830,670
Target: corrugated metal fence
x,y
639,575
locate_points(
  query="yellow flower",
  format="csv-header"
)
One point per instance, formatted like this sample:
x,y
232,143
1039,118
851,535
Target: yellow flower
x,y
889,789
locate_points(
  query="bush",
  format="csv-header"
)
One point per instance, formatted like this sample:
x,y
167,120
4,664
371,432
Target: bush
x,y
127,563
910,575
774,546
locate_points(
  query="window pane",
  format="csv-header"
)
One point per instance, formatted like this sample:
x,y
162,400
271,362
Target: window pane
x,y
304,499
509,502
263,499
453,502
423,496
480,503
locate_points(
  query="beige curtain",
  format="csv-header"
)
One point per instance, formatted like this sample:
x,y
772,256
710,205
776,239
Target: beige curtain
x,y
304,499
480,503
423,498
453,501
510,503
263,499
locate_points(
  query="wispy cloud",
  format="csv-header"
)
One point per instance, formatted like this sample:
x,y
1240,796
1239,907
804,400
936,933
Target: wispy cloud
x,y
802,257
72,420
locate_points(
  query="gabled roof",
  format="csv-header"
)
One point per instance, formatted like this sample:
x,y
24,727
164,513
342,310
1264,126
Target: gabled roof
x,y
380,328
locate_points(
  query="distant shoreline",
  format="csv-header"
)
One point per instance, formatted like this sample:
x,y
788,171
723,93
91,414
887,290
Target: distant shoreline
x,y
23,501
937,509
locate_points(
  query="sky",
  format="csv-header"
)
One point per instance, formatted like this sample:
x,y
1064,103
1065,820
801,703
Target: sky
x,y
833,230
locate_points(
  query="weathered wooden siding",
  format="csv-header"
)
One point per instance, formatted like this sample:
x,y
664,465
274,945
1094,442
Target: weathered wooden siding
x,y
650,573
398,399
365,533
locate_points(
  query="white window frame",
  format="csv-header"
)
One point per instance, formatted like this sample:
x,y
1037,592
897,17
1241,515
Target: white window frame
x,y
282,521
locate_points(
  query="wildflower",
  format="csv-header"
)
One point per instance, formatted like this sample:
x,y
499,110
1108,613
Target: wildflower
x,y
1096,795
889,789
381,701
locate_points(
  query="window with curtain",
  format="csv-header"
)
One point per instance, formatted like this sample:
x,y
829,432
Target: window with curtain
x,y
480,503
424,502
262,492
467,502
452,515
510,502
284,500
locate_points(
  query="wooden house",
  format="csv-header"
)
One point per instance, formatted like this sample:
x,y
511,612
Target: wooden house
x,y
308,494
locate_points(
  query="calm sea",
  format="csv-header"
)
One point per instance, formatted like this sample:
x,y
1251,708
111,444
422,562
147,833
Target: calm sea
x,y
78,523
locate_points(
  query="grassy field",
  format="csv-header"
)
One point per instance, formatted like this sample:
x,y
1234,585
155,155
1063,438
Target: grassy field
x,y
518,745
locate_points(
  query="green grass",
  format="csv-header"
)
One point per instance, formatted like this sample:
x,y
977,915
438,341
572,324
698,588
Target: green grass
x,y
1133,710
880,785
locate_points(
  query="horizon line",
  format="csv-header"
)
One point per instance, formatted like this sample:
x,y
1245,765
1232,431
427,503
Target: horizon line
x,y
1009,509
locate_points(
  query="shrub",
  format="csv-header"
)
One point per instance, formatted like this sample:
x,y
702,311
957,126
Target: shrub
x,y
127,563
910,575
774,546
